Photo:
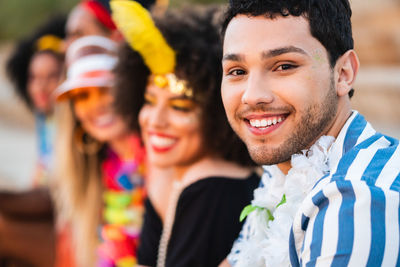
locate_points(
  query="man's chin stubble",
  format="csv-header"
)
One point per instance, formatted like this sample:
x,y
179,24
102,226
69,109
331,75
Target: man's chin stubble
x,y
264,156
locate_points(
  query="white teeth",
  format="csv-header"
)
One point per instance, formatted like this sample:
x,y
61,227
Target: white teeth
x,y
264,122
253,123
159,141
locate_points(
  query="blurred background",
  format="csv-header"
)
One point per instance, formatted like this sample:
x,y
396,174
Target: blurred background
x,y
376,30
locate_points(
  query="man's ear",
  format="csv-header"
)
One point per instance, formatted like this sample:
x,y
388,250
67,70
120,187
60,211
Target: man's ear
x,y
346,69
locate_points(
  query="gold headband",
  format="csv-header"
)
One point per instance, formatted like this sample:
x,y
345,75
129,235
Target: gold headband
x,y
139,30
49,42
173,84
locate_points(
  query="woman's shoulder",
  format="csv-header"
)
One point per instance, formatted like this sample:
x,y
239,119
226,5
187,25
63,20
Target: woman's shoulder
x,y
212,169
217,197
219,187
224,180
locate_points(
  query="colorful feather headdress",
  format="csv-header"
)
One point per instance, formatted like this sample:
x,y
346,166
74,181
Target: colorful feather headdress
x,y
137,26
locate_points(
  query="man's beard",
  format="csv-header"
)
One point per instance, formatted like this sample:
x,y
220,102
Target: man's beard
x,y
312,124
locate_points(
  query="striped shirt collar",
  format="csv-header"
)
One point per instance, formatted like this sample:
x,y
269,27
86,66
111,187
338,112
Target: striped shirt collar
x,y
355,130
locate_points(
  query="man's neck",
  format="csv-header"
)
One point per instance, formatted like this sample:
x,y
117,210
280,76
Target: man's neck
x,y
343,114
285,166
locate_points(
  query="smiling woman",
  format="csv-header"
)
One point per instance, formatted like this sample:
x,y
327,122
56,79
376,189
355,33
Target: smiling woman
x,y
99,159
171,128
192,216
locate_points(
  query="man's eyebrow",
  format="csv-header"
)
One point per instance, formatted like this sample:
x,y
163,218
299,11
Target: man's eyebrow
x,y
282,50
233,57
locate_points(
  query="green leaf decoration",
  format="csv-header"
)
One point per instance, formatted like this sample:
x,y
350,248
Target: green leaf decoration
x,y
283,201
246,211
250,208
270,216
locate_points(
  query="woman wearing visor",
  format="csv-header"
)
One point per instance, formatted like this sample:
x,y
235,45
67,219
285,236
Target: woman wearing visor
x,y
101,163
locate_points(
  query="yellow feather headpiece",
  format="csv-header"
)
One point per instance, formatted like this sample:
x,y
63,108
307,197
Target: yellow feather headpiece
x,y
139,30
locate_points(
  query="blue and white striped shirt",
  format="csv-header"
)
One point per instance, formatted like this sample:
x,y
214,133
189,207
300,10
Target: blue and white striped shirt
x,y
351,216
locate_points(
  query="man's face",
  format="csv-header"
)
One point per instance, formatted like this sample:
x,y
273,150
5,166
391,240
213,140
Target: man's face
x,y
278,87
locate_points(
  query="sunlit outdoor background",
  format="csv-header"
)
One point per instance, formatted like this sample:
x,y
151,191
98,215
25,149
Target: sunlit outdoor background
x,y
376,29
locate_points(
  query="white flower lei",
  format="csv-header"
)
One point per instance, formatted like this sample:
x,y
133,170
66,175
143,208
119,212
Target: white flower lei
x,y
275,206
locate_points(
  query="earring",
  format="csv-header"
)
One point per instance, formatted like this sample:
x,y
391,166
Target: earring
x,y
85,143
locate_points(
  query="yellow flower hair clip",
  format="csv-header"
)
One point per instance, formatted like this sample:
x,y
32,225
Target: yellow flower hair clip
x,y
137,26
49,42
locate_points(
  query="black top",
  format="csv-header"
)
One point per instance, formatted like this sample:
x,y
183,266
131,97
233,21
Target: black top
x,y
206,223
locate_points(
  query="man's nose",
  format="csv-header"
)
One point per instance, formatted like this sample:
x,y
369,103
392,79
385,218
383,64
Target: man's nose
x,y
257,90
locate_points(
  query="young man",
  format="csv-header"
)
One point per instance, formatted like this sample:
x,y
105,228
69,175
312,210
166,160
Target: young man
x,y
330,192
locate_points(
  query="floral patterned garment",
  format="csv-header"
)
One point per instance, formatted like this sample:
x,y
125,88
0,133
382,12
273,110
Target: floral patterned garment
x,y
123,207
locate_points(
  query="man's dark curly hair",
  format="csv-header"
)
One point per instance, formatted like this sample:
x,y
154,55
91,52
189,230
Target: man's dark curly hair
x,y
17,66
330,20
194,35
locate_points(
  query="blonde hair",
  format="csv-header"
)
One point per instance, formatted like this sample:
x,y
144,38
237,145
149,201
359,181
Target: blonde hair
x,y
78,187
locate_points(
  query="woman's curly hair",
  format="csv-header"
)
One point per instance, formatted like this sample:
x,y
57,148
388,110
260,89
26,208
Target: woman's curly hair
x,y
193,33
17,66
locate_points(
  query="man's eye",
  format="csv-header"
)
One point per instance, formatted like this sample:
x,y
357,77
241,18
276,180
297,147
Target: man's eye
x,y
237,72
284,67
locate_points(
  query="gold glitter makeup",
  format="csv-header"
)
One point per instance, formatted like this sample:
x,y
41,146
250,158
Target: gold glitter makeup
x,y
182,104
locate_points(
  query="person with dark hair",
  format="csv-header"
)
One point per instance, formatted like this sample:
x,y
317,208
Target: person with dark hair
x,y
26,218
35,68
18,65
168,86
93,17
330,190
